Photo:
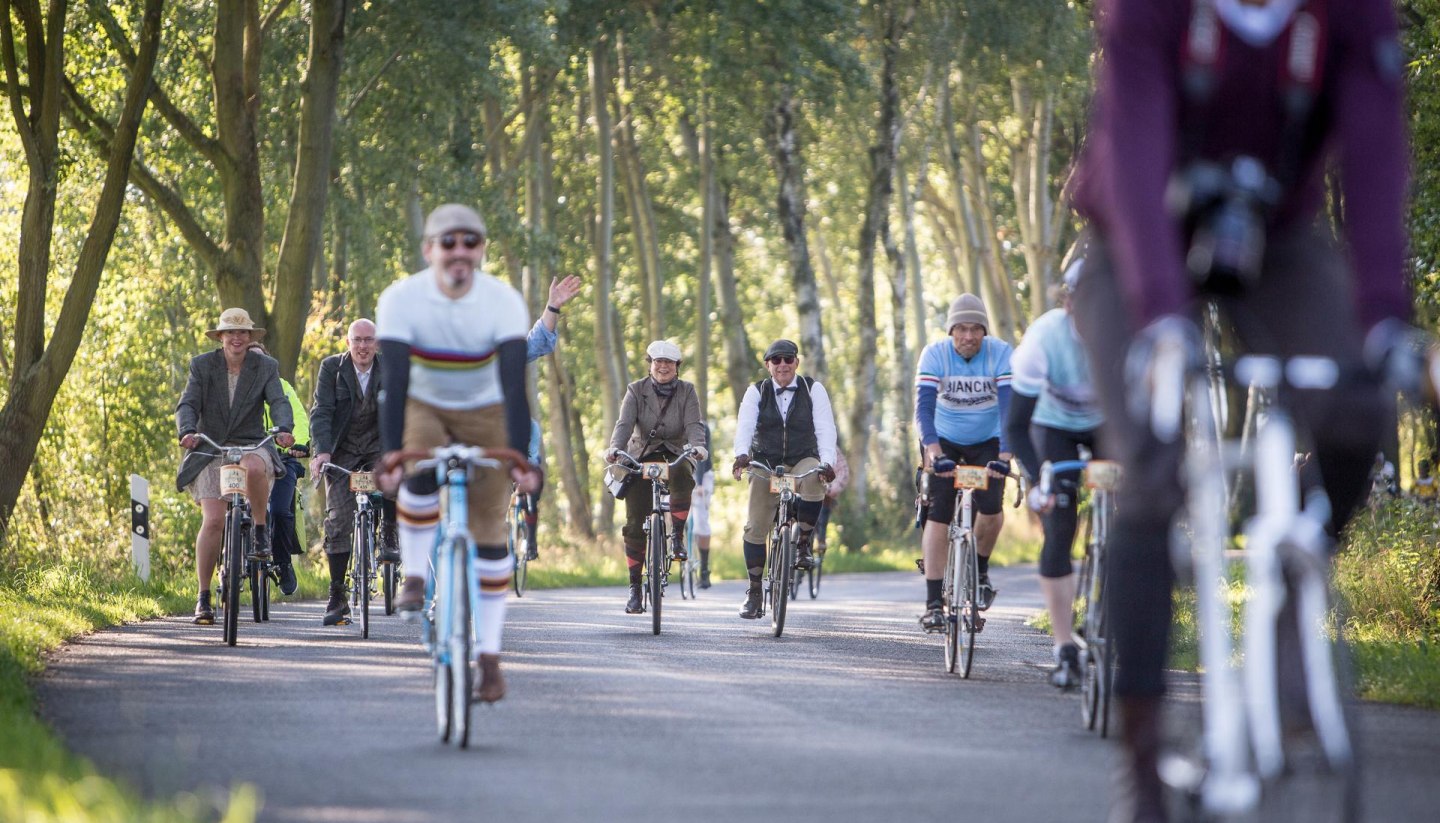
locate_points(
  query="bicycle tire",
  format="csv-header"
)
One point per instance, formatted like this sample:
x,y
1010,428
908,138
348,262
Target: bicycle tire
x,y
389,581
230,575
269,582
657,563
950,602
520,538
254,571
813,577
363,560
1092,656
780,573
461,671
973,619
794,590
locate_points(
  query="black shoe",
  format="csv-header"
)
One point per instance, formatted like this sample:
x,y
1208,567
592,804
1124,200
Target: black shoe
x,y
987,592
704,578
260,544
337,611
288,583
933,620
804,560
751,609
532,549
635,605
1066,674
677,548
204,615
388,554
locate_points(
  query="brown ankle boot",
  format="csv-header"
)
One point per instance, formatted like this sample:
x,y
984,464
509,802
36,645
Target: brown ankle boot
x,y
492,683
1137,795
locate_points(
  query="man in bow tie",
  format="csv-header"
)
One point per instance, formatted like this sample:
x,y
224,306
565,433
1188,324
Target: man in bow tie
x,y
785,420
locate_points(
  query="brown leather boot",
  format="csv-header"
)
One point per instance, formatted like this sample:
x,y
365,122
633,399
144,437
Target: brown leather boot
x,y
1137,795
492,683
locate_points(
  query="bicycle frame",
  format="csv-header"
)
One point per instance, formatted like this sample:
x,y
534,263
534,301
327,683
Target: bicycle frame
x,y
656,570
779,574
234,566
365,522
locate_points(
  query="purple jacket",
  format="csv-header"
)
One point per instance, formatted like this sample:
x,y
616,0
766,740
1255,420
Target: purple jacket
x,y
1135,140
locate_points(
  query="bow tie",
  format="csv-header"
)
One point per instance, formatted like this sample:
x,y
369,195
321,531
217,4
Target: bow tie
x,y
783,389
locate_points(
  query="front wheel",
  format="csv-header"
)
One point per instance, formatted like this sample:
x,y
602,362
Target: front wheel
x,y
950,603
231,574
363,561
815,575
782,559
459,647
390,573
971,619
519,540
657,569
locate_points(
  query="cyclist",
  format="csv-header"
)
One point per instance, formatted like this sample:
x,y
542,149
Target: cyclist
x,y
541,341
962,393
223,400
700,509
345,416
284,541
531,501
1189,98
452,349
785,420
658,417
1053,413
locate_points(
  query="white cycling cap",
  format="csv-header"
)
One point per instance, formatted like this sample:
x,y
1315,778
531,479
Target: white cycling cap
x,y
663,350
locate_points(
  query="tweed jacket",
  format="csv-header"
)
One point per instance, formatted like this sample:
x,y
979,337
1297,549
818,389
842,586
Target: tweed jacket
x,y
640,413
205,406
337,394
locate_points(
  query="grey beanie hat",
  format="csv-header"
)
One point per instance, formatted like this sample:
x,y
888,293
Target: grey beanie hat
x,y
967,308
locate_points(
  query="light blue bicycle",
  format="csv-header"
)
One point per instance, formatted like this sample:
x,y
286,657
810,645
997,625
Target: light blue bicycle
x,y
451,618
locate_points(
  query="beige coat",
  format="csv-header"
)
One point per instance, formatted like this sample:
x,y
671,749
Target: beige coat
x,y
640,412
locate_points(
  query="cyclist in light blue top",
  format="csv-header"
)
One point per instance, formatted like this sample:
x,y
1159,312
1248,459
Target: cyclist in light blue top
x,y
542,338
1054,413
962,394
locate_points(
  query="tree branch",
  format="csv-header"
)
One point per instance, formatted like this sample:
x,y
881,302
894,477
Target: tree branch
x,y
13,90
178,120
273,16
369,84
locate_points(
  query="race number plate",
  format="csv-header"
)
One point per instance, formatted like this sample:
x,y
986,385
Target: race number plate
x,y
782,483
232,480
656,471
972,477
362,482
1102,475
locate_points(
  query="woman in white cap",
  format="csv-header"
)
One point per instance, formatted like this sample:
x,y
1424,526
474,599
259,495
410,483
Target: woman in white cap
x,y
224,399
658,418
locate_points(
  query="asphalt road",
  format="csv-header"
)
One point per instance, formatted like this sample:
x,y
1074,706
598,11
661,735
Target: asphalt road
x,y
847,717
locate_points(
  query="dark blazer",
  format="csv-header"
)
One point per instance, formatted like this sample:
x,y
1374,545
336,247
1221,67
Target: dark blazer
x,y
337,393
205,406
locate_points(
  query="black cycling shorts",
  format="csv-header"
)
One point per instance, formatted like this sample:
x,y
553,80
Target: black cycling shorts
x,y
942,497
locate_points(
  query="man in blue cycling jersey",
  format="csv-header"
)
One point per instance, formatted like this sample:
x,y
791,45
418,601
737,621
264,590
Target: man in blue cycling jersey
x,y
962,392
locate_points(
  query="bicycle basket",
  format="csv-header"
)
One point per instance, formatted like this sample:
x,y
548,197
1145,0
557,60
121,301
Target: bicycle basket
x,y
617,482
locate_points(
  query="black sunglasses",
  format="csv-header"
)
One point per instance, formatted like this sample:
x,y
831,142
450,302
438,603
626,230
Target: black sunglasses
x,y
448,240
787,359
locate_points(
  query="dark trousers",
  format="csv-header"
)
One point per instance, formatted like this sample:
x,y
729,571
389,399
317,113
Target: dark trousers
x,y
284,541
1056,445
1301,304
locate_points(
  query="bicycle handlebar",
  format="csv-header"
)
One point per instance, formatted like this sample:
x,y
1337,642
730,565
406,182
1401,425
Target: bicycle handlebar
x,y
756,465
634,466
205,438
490,458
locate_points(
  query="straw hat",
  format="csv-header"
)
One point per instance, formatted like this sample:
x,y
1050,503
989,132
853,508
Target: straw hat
x,y
235,320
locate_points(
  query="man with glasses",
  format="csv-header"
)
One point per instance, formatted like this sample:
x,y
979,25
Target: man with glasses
x,y
962,393
452,342
785,420
345,420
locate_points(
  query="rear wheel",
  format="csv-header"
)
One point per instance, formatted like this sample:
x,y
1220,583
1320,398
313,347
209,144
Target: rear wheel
x,y
390,572
815,574
231,575
656,569
781,577
255,571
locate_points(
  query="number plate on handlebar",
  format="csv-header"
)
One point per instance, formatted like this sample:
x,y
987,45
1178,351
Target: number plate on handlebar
x,y
1103,475
232,480
655,471
782,483
362,482
972,477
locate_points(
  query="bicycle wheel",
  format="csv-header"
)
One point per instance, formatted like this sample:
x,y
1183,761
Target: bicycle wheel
x,y
814,576
389,573
781,575
363,557
951,599
795,576
256,575
519,539
1087,625
461,673
269,581
657,564
973,620
231,575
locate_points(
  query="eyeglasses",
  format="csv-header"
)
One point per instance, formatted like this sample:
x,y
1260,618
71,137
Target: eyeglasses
x,y
787,359
448,240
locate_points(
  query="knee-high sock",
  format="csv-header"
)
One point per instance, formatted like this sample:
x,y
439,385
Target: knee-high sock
x,y
494,577
418,516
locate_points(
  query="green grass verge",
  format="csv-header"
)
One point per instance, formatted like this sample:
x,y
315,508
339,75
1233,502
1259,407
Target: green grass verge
x,y
40,781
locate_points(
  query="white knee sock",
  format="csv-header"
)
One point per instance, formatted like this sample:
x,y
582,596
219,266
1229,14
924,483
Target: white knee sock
x,y
418,518
494,576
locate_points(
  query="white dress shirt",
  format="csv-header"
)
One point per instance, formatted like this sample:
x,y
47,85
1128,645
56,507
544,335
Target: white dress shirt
x,y
364,378
820,409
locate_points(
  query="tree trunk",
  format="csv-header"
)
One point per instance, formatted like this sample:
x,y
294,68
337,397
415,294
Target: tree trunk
x,y
40,368
607,360
305,220
790,205
739,357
